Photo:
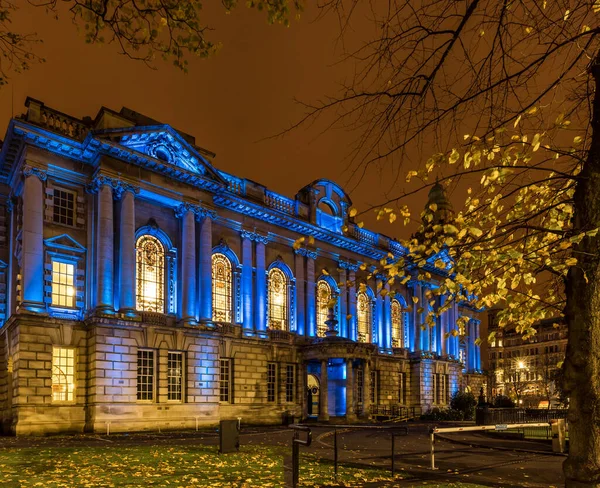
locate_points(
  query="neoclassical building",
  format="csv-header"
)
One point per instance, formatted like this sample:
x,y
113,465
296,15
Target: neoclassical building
x,y
141,286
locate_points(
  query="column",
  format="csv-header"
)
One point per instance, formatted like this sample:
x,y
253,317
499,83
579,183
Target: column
x,y
443,347
323,393
352,303
379,310
387,322
457,336
260,311
32,240
127,251
300,287
205,278
367,388
302,371
104,247
311,315
416,327
350,411
470,346
343,298
476,347
247,288
188,263
425,330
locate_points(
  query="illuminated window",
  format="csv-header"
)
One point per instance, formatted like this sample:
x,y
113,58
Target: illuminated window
x,y
63,374
145,375
150,264
175,376
221,288
323,299
397,324
225,378
278,300
64,207
364,317
63,284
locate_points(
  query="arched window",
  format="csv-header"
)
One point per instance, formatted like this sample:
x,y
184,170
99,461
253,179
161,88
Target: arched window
x,y
323,299
150,265
278,300
397,324
363,304
221,288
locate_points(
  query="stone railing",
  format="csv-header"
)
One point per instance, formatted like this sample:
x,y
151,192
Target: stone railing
x,y
63,124
229,329
278,202
234,185
363,235
155,318
280,335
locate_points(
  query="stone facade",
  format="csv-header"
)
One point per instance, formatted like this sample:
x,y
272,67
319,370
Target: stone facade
x,y
142,288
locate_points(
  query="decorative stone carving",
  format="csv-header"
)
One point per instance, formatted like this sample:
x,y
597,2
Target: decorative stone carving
x,y
33,171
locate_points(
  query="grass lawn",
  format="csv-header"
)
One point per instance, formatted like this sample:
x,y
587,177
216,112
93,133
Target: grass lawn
x,y
178,466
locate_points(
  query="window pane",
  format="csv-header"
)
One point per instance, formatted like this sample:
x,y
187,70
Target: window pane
x,y
63,291
145,375
225,381
175,376
323,298
221,288
271,381
364,317
150,264
278,300
64,207
397,325
63,374
290,382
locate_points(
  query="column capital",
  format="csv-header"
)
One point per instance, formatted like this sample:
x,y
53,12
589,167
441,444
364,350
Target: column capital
x,y
98,182
121,187
29,170
204,213
349,266
253,236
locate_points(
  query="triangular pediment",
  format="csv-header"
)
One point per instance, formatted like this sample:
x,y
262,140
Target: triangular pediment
x,y
64,242
164,144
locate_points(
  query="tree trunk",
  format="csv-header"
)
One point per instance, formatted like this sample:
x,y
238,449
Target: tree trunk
x,y
582,362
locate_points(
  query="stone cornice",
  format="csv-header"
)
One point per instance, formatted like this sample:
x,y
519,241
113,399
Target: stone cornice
x,y
118,186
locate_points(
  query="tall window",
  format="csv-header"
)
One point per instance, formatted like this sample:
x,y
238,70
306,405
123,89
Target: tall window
x,y
221,288
360,384
64,207
145,375
323,298
278,300
374,393
175,376
271,382
397,324
225,378
290,382
63,284
401,388
63,374
364,317
150,263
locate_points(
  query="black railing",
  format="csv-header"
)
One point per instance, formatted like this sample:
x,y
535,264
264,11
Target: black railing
x,y
394,411
495,416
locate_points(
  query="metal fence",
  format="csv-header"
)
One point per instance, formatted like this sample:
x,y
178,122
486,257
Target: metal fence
x,y
493,416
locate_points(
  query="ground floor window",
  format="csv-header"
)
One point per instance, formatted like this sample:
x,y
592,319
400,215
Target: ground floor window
x,y
402,388
63,374
440,388
225,379
175,376
145,375
290,382
271,382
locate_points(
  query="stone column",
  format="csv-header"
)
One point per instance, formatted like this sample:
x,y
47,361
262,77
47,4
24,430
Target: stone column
x,y
387,319
426,332
311,315
475,346
367,388
343,298
205,278
443,349
470,347
32,240
415,330
104,247
247,288
303,389
378,311
352,304
323,393
127,299
300,288
188,263
260,310
350,410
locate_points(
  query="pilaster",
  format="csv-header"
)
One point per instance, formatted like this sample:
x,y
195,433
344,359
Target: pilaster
x,y
247,288
126,270
311,304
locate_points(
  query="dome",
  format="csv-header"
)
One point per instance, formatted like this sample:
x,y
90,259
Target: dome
x,y
444,211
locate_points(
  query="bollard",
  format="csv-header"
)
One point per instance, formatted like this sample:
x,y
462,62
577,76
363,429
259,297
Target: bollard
x,y
296,443
433,468
393,445
335,453
107,428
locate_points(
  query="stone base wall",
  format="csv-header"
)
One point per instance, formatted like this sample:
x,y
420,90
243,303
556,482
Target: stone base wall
x,y
391,372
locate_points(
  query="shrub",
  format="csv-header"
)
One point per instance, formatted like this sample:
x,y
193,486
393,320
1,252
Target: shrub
x,y
464,402
502,401
436,415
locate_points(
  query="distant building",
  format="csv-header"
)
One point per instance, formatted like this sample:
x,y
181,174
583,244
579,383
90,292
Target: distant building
x,y
525,369
141,286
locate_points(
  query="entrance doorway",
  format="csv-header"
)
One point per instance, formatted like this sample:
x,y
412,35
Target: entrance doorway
x,y
312,395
